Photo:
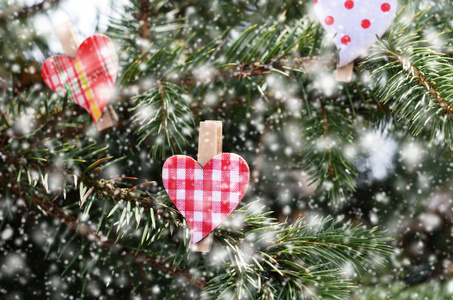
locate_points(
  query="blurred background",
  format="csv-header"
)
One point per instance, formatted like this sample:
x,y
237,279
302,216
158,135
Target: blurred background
x,y
404,184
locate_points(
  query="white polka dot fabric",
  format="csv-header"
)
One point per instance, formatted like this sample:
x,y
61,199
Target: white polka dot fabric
x,y
354,24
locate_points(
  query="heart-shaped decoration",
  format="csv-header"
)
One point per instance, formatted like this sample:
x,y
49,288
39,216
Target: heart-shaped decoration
x,y
205,196
354,24
89,78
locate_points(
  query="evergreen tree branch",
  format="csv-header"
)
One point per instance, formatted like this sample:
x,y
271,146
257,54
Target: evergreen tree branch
x,y
256,53
388,288
248,53
417,89
22,12
328,132
260,247
58,213
289,257
238,71
164,113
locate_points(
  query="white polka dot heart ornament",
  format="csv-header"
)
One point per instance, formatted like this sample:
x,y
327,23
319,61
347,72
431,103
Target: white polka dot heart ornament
x,y
354,24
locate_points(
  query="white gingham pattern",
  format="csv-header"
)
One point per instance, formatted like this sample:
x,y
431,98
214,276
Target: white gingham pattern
x,y
205,197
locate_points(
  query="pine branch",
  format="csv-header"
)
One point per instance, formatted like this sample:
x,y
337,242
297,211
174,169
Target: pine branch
x,y
164,113
325,239
56,212
418,89
247,56
22,12
389,289
256,53
240,71
143,30
328,132
109,190
266,257
319,249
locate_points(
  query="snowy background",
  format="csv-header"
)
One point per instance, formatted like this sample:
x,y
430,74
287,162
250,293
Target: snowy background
x,y
403,186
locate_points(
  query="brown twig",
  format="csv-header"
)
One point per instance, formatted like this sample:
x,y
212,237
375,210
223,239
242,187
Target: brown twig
x,y
144,8
140,184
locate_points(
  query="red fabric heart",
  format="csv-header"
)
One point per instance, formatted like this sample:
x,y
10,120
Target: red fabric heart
x,y
205,197
89,78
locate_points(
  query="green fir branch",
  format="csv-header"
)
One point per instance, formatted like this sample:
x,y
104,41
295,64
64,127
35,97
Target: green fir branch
x,y
328,132
163,113
298,261
305,258
415,81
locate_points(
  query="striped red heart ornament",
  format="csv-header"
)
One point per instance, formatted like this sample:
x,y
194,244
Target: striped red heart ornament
x,y
89,78
205,196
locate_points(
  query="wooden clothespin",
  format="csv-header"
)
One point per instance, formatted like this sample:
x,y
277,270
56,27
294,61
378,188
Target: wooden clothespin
x,y
109,119
344,74
209,145
70,42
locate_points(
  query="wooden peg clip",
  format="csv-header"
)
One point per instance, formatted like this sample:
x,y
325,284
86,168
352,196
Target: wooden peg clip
x,y
344,74
209,145
70,42
109,119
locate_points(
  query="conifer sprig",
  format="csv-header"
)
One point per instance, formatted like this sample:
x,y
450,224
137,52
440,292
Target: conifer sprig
x,y
328,134
112,222
163,114
414,80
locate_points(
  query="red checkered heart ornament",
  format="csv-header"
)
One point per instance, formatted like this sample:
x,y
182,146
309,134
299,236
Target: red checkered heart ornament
x,y
205,196
354,24
89,78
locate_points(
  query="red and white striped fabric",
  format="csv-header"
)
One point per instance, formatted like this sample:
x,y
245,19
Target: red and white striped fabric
x,y
205,197
89,78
